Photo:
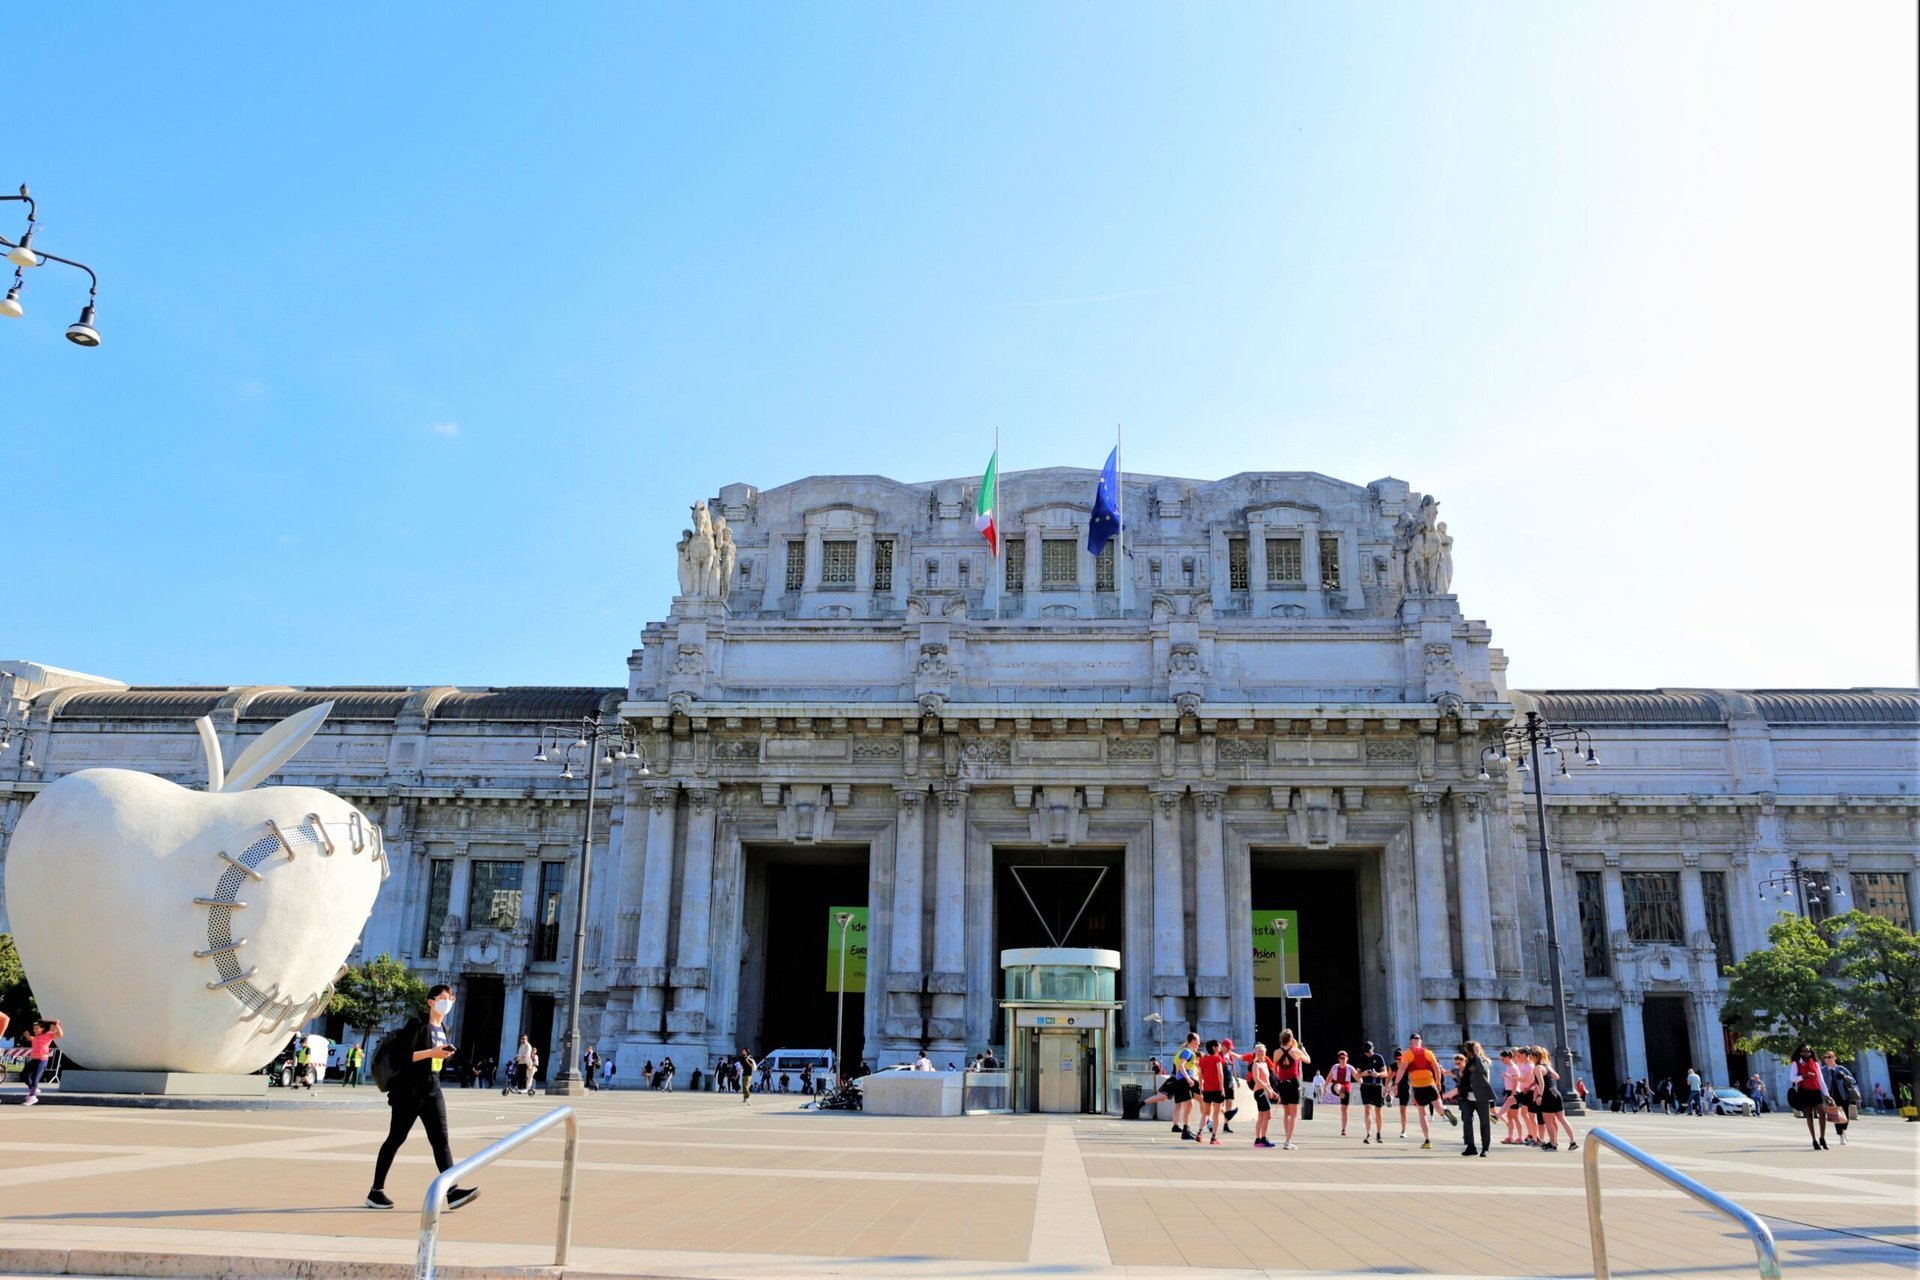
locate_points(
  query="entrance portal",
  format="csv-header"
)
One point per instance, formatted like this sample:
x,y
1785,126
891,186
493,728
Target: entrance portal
x,y
1045,898
1668,1054
1323,952
788,992
482,1000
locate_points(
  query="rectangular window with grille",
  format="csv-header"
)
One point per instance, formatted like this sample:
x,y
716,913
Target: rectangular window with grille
x,y
796,566
1103,569
1593,925
837,558
1330,563
1653,905
1884,894
1713,888
1283,560
439,902
1236,564
493,897
883,565
1059,561
1016,564
546,940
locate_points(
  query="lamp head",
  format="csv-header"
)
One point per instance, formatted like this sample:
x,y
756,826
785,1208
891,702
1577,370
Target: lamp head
x,y
1590,756
1484,775
21,255
82,333
10,306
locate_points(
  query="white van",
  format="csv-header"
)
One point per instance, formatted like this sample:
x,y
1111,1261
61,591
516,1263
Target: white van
x,y
793,1061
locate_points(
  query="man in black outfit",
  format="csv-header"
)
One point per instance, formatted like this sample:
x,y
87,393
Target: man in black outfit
x,y
413,1093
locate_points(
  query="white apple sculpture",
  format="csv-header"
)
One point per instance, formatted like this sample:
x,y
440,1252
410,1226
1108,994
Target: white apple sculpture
x,y
188,931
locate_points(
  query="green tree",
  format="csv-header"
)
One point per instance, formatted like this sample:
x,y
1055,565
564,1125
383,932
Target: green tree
x,y
16,997
1784,995
1880,962
371,995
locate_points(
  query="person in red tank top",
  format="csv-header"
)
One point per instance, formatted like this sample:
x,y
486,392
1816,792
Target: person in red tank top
x,y
1288,1060
1808,1094
1341,1080
1213,1090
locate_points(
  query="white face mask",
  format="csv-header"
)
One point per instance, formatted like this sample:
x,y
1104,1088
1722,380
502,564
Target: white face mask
x,y
443,1006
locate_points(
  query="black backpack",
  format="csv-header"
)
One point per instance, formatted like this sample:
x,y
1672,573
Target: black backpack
x,y
389,1056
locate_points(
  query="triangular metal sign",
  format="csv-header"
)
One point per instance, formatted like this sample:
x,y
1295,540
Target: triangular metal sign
x,y
1058,940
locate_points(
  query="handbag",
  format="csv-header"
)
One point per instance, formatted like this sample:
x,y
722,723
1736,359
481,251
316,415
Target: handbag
x,y
1835,1115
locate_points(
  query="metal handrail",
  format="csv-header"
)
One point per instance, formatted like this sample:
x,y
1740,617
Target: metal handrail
x,y
1763,1245
436,1202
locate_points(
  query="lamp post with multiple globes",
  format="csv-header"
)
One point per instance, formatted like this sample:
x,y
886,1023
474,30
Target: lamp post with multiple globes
x,y
597,744
25,255
1529,740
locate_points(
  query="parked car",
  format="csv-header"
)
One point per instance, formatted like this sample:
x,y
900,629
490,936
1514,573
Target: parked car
x,y
1729,1101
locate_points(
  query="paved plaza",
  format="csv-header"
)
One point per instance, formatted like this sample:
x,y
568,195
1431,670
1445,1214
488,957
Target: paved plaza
x,y
698,1185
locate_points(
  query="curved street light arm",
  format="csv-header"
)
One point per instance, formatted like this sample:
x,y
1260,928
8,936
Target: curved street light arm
x,y
92,291
33,210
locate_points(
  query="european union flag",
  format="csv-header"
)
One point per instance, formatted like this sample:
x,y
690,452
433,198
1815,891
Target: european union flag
x,y
1105,524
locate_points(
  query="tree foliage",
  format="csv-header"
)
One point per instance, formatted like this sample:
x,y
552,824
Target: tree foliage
x,y
1880,962
16,997
1783,995
371,995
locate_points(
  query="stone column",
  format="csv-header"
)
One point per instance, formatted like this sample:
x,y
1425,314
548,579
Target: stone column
x,y
1350,570
948,981
810,580
1170,985
1034,549
459,888
1316,599
656,899
1210,913
906,977
690,972
511,1015
1476,918
1633,1032
863,563
1437,985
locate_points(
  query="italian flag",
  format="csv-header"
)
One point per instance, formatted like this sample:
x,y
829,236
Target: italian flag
x,y
983,509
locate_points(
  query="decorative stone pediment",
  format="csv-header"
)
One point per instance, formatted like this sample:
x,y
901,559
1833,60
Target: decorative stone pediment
x,y
806,811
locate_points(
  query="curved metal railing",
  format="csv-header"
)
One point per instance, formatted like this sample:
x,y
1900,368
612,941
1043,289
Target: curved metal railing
x,y
436,1202
1762,1235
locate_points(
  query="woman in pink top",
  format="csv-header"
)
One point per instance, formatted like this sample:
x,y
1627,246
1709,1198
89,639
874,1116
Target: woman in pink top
x,y
39,1048
1516,1069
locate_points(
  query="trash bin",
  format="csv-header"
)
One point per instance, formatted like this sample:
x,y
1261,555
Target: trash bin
x,y
1306,1107
1130,1095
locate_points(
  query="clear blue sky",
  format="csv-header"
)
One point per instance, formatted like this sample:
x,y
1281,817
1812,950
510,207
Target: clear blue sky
x,y
424,324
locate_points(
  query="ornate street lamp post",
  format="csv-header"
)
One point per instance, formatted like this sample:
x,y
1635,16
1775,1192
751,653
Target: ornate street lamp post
x,y
1807,887
1531,739
25,255
598,744
843,919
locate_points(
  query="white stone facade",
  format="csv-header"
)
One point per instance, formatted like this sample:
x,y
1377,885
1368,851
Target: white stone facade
x,y
848,674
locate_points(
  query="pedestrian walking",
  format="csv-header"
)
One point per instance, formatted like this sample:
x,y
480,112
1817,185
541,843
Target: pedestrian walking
x,y
1260,1081
1341,1080
1289,1058
1473,1076
1549,1106
40,1038
747,1065
417,1053
1419,1069
355,1056
1696,1100
1808,1094
590,1067
1843,1094
1373,1094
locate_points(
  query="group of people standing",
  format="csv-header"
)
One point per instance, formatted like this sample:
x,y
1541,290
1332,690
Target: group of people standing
x,y
1527,1094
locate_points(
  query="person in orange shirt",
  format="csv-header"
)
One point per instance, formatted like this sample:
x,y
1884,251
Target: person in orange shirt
x,y
1421,1070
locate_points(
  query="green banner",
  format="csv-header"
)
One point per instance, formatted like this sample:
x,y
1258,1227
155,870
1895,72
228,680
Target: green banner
x,y
1276,952
856,943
